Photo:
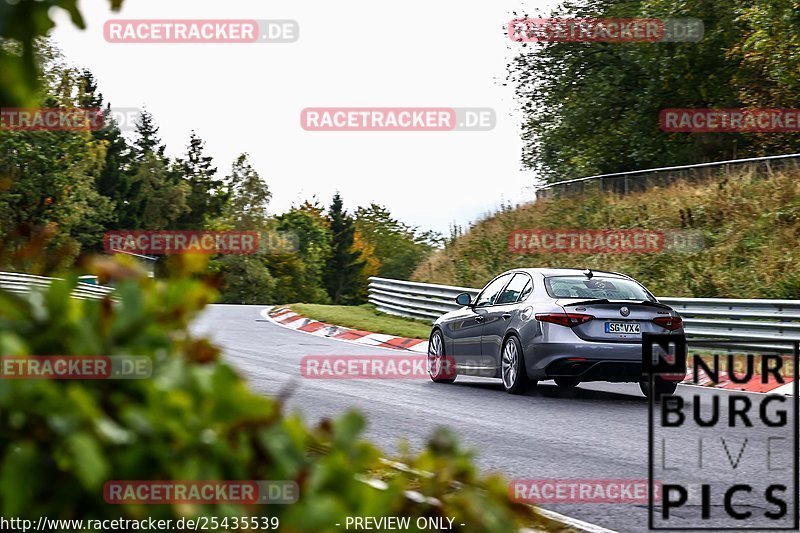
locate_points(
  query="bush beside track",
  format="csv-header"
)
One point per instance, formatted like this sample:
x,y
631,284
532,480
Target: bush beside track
x,y
195,419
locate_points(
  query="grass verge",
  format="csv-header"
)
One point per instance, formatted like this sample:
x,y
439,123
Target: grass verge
x,y
365,317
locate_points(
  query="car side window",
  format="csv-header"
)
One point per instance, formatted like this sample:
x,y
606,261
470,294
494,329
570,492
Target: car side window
x,y
514,289
489,294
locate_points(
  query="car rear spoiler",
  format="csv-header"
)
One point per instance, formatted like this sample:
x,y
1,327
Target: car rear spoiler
x,y
621,302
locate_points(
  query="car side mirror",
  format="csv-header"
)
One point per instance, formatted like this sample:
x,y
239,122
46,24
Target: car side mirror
x,y
463,299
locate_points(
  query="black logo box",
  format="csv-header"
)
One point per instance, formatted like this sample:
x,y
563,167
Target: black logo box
x,y
668,354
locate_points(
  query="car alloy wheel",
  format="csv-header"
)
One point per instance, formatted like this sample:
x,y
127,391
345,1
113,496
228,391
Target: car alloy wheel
x,y
437,362
512,367
509,364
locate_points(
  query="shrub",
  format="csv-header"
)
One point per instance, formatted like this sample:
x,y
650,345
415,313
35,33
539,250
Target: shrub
x,y
194,419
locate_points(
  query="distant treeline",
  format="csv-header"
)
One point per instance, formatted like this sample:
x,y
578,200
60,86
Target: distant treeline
x,y
60,191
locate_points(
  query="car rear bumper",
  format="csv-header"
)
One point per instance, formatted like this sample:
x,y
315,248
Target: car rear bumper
x,y
615,371
619,362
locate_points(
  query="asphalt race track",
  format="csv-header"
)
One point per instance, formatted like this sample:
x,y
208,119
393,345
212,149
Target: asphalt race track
x,y
594,432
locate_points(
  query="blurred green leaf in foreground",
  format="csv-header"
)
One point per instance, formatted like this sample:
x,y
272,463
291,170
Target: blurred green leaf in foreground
x,y
195,419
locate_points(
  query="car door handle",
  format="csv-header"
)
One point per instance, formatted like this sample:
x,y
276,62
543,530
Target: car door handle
x,y
479,318
506,316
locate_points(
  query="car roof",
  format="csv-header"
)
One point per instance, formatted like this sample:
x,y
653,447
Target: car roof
x,y
550,272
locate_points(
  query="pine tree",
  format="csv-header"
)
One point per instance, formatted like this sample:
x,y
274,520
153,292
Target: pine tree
x,y
157,196
207,195
88,97
343,276
161,194
114,180
250,196
147,139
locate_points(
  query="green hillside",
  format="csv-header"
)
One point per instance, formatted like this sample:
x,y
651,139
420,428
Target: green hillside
x,y
750,223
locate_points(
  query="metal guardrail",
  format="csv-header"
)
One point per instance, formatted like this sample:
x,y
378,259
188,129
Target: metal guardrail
x,y
25,283
745,322
414,300
640,180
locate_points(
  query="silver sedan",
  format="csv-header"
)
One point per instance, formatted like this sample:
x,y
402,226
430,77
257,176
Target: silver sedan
x,y
568,325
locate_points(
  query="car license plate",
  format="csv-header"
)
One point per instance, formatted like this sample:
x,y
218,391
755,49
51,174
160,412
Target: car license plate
x,y
630,328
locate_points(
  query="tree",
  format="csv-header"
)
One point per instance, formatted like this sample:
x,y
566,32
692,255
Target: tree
x,y
250,196
160,194
399,248
147,139
49,179
157,195
769,74
281,275
343,275
593,108
115,179
246,280
308,223
48,185
207,195
369,259
23,23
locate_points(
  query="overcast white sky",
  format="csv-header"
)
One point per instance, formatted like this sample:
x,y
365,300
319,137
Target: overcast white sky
x,y
248,97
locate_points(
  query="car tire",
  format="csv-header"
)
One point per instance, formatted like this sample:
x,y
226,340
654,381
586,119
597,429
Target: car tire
x,y
663,387
567,383
512,367
437,361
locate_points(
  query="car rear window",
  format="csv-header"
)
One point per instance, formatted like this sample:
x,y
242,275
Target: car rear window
x,y
596,287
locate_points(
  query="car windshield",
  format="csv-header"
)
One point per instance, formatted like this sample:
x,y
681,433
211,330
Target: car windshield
x,y
596,287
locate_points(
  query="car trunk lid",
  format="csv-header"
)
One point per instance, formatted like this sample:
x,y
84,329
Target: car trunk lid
x,y
616,320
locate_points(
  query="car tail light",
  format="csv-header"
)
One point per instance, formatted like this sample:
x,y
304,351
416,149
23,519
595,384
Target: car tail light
x,y
669,322
564,319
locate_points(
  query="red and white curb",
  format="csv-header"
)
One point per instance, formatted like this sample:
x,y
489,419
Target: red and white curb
x,y
286,317
753,385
